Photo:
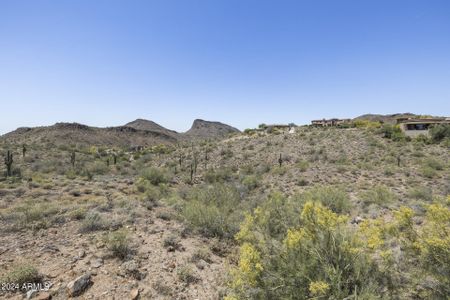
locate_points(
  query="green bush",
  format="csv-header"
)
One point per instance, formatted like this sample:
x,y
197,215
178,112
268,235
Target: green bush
x,y
213,210
251,182
21,274
92,222
428,172
186,274
335,198
302,165
434,163
392,132
118,243
97,168
422,193
155,176
380,195
440,132
218,175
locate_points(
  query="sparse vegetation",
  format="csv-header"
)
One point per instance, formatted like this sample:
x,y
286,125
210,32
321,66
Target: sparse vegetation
x,y
380,195
20,274
118,243
325,223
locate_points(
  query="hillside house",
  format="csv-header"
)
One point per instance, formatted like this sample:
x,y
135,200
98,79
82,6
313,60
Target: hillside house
x,y
330,122
414,127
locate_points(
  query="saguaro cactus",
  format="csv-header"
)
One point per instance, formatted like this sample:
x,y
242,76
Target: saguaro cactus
x,y
194,157
24,150
114,158
180,159
280,160
206,159
72,159
8,162
192,172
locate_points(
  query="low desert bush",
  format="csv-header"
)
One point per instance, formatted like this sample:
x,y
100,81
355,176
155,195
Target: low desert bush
x,y
428,172
97,168
440,132
434,163
302,165
335,198
155,176
251,182
21,274
213,210
218,175
92,222
186,274
171,241
421,193
118,242
380,195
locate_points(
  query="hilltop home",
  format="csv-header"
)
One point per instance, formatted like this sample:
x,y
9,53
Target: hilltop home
x,y
330,122
414,127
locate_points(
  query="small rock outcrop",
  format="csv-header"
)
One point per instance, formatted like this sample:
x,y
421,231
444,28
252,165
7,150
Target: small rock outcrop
x,y
79,285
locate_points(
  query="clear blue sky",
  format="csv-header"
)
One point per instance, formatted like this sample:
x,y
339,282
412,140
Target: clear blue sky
x,y
242,62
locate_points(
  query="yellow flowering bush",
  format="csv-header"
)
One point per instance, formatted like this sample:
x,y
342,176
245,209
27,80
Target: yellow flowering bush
x,y
318,288
313,255
304,250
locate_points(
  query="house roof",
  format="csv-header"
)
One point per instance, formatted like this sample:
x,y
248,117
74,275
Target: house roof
x,y
425,120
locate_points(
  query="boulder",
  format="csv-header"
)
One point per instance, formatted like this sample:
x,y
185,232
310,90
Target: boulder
x,y
79,285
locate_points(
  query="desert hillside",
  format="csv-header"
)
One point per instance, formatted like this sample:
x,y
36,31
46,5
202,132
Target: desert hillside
x,y
135,134
232,218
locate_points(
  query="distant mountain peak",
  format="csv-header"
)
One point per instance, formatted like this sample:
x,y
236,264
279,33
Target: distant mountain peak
x,y
209,129
147,125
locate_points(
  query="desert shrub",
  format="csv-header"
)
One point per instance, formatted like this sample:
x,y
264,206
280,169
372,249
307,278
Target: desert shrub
x,y
152,194
428,172
302,182
78,213
440,132
434,163
35,215
21,274
280,171
201,254
389,171
92,222
263,168
186,274
251,182
97,168
380,195
302,165
391,131
213,210
422,193
155,176
226,153
426,249
71,174
335,198
366,124
313,256
172,241
118,243
218,175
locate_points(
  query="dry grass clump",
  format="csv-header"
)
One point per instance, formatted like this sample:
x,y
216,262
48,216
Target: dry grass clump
x,y
21,274
118,243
